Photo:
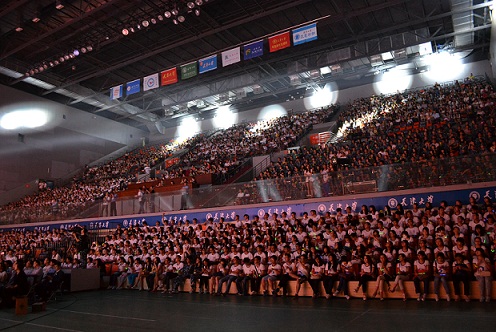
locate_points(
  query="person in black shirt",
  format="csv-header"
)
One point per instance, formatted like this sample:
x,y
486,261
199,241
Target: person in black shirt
x,y
16,286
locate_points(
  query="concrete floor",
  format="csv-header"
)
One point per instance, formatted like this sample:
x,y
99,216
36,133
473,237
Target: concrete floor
x,y
140,311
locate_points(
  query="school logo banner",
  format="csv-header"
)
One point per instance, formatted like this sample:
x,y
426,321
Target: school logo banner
x,y
253,50
169,76
305,34
279,42
208,64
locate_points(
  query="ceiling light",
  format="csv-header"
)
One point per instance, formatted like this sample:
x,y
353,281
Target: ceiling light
x,y
153,21
181,18
26,74
19,29
197,12
174,12
56,62
36,70
31,72
145,23
45,66
167,14
175,21
83,49
89,48
66,57
61,59
36,19
59,5
125,32
72,56
131,29
139,26
40,69
51,64
76,52
199,2
190,5
160,17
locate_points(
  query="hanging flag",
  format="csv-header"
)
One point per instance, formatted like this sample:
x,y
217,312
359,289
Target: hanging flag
x,y
189,70
231,56
279,42
168,76
305,34
116,92
253,50
150,82
133,87
208,64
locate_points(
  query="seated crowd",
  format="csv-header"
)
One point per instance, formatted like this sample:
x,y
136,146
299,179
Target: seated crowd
x,y
214,154
440,129
261,256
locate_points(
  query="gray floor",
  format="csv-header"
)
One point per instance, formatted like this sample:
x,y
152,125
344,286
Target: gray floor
x,y
139,311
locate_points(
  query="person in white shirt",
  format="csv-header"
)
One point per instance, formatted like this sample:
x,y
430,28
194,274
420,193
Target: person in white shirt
x,y
441,274
461,274
273,273
248,274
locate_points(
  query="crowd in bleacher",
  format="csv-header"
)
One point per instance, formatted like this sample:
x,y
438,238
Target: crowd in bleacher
x,y
261,256
440,130
213,154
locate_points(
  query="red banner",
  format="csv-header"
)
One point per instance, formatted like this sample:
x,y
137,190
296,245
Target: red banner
x,y
171,162
279,42
168,76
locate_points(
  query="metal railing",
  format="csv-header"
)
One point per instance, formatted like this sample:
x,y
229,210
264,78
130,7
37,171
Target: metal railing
x,y
448,171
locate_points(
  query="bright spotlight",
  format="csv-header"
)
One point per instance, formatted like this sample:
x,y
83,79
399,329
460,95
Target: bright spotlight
x,y
271,112
188,128
24,119
392,81
224,117
321,98
443,66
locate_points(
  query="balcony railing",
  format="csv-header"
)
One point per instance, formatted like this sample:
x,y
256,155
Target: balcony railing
x,y
449,171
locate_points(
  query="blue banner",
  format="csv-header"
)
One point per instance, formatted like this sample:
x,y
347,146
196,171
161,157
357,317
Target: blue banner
x,y
253,50
208,64
133,87
305,34
229,212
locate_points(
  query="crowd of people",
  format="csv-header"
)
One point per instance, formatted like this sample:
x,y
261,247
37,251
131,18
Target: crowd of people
x,y
406,140
216,153
261,255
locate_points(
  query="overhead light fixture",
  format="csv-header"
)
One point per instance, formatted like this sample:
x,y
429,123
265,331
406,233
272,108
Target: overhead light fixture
x,y
59,5
19,29
145,23
36,19
175,22
89,48
83,50
160,17
76,52
153,21
175,12
66,57
197,12
167,14
181,18
125,32
199,2
190,5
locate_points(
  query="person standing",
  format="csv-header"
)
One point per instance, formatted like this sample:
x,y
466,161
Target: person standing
x,y
113,204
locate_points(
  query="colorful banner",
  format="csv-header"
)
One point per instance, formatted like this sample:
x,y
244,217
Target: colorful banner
x,y
392,200
230,57
133,87
279,42
253,50
171,162
116,92
305,34
208,64
169,76
150,82
189,70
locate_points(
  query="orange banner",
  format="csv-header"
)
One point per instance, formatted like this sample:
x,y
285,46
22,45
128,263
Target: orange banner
x,y
168,77
279,42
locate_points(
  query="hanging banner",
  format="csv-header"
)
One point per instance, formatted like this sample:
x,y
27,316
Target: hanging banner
x,y
253,50
189,70
150,82
133,87
208,64
305,34
279,42
169,76
231,56
116,92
